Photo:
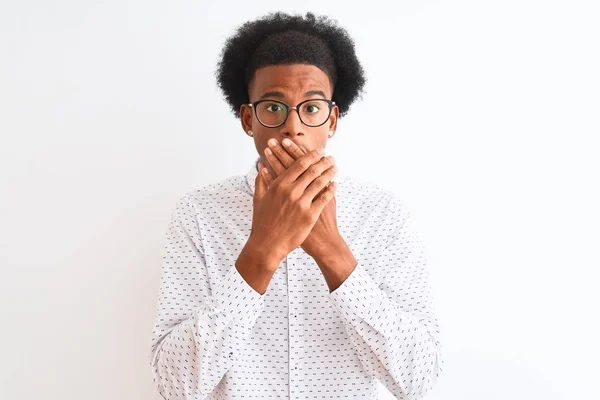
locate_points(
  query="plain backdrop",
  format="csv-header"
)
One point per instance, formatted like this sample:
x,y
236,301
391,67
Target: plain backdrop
x,y
482,116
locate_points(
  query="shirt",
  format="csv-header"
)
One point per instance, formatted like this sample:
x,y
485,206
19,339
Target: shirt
x,y
216,337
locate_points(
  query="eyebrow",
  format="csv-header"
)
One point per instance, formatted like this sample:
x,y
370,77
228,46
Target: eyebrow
x,y
315,93
281,95
272,94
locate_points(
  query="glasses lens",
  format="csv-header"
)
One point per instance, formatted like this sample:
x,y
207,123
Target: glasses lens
x,y
271,113
314,112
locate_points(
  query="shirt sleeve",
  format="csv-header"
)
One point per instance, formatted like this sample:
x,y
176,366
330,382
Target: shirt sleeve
x,y
391,319
199,329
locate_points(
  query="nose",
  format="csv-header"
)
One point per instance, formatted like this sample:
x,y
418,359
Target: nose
x,y
293,126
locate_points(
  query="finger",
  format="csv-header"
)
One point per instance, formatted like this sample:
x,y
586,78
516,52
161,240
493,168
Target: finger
x,y
292,148
260,187
322,190
282,155
314,172
320,184
265,173
273,161
322,200
302,164
261,165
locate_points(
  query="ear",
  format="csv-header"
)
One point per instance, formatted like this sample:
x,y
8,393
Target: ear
x,y
333,119
246,117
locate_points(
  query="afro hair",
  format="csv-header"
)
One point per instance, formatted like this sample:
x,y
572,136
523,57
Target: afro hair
x,y
280,38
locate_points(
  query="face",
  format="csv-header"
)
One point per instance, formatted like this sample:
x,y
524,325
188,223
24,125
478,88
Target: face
x,y
290,84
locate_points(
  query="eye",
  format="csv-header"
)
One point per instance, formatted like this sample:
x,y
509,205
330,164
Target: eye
x,y
274,107
312,108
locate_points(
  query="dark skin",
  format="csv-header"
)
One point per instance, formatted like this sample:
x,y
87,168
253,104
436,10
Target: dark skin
x,y
293,84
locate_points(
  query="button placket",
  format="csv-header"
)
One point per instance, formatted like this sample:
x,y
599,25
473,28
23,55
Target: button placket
x,y
295,320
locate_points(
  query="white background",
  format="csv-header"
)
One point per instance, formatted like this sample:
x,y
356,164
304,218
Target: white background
x,y
482,116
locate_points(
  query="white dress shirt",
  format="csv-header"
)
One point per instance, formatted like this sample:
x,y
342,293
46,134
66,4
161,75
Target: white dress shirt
x,y
216,337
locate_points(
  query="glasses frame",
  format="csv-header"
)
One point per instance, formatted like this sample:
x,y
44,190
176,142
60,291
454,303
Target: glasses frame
x,y
287,111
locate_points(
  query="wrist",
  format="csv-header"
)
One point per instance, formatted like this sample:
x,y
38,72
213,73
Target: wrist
x,y
326,251
262,253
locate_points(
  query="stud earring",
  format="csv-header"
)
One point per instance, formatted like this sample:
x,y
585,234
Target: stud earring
x,y
330,133
250,133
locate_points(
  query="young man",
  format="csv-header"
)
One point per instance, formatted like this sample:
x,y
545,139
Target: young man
x,y
282,283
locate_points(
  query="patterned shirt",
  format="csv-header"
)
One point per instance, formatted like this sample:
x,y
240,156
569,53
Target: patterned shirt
x,y
216,337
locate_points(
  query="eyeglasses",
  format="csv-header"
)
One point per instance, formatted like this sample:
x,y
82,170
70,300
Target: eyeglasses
x,y
274,113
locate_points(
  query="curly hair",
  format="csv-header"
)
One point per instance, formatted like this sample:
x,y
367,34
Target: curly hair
x,y
280,38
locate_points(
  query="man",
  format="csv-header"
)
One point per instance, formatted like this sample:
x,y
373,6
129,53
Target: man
x,y
282,283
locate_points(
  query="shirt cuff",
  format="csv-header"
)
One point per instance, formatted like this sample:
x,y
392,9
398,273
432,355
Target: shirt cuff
x,y
358,296
236,298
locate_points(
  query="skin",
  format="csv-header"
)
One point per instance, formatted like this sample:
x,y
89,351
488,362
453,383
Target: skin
x,y
293,84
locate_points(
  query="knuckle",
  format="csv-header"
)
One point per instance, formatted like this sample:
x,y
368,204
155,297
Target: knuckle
x,y
304,207
293,193
313,171
324,181
304,163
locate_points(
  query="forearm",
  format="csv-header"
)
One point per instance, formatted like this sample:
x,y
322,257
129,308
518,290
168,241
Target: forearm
x,y
336,263
257,266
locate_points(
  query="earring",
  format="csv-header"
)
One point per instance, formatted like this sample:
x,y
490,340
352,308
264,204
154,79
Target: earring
x,y
250,133
330,133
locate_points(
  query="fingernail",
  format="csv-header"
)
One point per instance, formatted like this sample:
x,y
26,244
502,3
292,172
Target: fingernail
x,y
287,142
272,142
268,151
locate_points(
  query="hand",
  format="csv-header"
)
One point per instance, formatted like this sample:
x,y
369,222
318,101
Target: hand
x,y
325,234
287,208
